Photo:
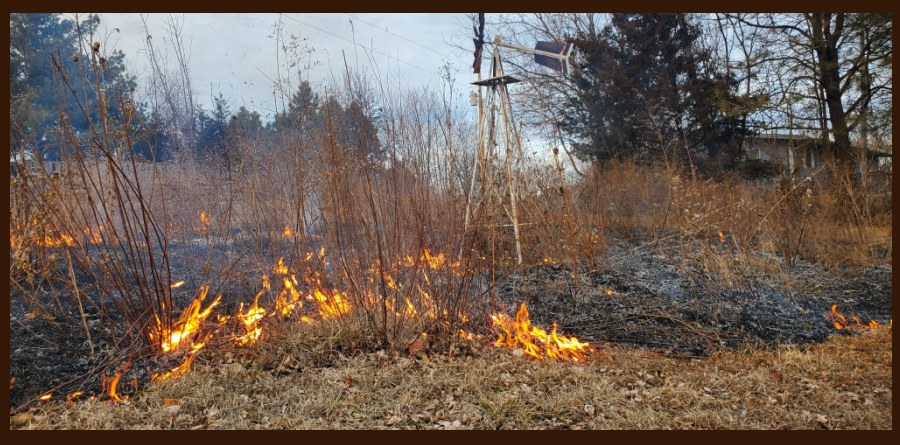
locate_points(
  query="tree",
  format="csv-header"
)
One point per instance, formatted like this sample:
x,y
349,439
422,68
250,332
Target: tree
x,y
41,44
648,70
211,127
245,124
840,63
297,121
642,86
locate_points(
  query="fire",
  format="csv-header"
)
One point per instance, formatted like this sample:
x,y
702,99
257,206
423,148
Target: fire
x,y
721,237
112,388
841,323
188,324
251,320
180,370
51,235
281,269
330,306
287,231
45,397
178,284
289,298
536,342
73,396
609,292
204,221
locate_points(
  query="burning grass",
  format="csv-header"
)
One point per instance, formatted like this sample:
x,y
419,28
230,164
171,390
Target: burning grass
x,y
843,384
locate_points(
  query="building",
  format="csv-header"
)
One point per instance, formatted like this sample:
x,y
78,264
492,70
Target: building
x,y
808,155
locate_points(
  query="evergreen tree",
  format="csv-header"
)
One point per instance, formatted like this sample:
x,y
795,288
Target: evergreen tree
x,y
212,127
644,82
36,40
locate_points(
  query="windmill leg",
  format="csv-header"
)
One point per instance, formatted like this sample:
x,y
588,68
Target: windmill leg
x,y
513,191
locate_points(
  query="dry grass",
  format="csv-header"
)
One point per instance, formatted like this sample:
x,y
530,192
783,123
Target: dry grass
x,y
843,384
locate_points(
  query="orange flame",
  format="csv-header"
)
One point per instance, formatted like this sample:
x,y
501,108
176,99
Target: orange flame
x,y
178,284
112,388
45,397
188,324
251,320
536,342
176,372
73,396
281,269
204,221
841,323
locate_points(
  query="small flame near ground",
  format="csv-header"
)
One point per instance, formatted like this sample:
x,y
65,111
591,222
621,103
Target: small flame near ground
x,y
114,383
840,322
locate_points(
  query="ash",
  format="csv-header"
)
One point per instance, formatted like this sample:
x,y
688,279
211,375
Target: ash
x,y
640,297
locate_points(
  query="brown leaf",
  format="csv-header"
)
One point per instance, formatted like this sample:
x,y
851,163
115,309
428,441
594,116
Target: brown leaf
x,y
349,381
417,346
776,375
22,419
169,403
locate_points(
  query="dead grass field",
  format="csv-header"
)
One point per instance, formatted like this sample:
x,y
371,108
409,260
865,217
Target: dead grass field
x,y
845,383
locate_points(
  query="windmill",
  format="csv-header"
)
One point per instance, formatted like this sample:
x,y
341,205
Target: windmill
x,y
495,173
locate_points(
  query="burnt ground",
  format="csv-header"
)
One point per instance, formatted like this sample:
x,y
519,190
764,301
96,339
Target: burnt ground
x,y
655,304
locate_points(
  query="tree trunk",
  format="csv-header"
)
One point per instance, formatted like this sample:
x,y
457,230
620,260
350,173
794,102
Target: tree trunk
x,y
825,41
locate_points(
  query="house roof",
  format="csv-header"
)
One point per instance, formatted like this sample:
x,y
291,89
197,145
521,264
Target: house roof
x,y
18,156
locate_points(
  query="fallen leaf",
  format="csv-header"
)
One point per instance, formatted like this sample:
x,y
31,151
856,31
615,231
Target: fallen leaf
x,y
22,419
169,402
287,366
349,381
417,346
852,396
393,420
776,375
518,353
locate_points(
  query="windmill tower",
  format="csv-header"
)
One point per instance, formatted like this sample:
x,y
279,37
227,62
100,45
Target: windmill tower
x,y
495,173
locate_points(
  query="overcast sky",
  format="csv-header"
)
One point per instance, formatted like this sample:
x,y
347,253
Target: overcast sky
x,y
234,53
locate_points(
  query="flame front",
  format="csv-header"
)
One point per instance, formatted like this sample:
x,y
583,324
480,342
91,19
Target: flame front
x,y
187,325
841,323
520,334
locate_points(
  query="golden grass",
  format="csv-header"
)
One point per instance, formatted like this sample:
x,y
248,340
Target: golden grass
x,y
843,384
